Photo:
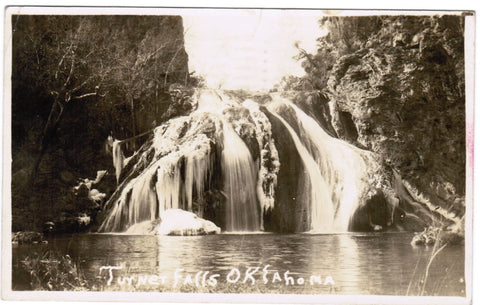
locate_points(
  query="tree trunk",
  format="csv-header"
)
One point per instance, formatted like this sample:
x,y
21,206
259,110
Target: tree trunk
x,y
50,126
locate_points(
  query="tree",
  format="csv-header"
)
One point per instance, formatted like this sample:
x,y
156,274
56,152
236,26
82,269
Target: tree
x,y
107,60
144,70
60,57
76,80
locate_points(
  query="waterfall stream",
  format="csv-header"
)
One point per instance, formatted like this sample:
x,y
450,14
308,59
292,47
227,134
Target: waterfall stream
x,y
239,175
334,182
342,166
335,169
321,211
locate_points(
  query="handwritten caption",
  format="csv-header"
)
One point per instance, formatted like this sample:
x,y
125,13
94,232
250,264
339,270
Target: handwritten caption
x,y
180,277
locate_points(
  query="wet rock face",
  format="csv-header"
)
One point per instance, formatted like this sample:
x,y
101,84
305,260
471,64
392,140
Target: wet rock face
x,y
401,95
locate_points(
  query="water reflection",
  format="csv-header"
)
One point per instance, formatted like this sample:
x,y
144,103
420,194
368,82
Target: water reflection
x,y
358,263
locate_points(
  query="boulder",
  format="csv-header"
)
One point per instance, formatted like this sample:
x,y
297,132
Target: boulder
x,y
175,222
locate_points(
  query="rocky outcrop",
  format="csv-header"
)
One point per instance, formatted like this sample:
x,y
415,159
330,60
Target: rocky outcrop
x,y
435,235
397,89
404,90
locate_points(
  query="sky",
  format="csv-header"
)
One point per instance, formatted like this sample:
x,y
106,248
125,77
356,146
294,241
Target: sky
x,y
248,49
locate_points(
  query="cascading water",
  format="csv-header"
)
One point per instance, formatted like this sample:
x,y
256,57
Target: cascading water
x,y
169,184
178,169
238,168
335,168
197,168
269,160
181,168
316,191
118,158
239,175
344,167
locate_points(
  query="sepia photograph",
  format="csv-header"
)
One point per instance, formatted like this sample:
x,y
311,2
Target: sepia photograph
x,y
274,155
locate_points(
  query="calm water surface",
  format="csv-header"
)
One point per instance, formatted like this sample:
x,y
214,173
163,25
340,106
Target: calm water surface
x,y
383,264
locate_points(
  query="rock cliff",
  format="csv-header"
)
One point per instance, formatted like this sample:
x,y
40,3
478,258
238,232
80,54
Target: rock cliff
x,y
395,86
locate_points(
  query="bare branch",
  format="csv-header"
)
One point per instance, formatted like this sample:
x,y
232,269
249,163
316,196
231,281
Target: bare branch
x,y
82,84
71,71
83,96
62,59
170,63
309,57
89,53
149,56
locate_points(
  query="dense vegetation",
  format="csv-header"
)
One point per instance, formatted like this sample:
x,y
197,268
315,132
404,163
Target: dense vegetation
x,y
75,81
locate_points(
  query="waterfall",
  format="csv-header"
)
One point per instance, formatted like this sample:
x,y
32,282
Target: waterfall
x,y
343,166
208,163
176,175
196,174
179,171
117,219
143,199
340,171
238,168
269,160
118,158
169,183
317,194
238,171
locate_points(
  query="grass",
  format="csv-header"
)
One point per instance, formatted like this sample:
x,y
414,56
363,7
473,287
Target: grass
x,y
421,276
50,271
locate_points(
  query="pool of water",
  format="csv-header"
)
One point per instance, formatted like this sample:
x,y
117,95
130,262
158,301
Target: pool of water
x,y
380,264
